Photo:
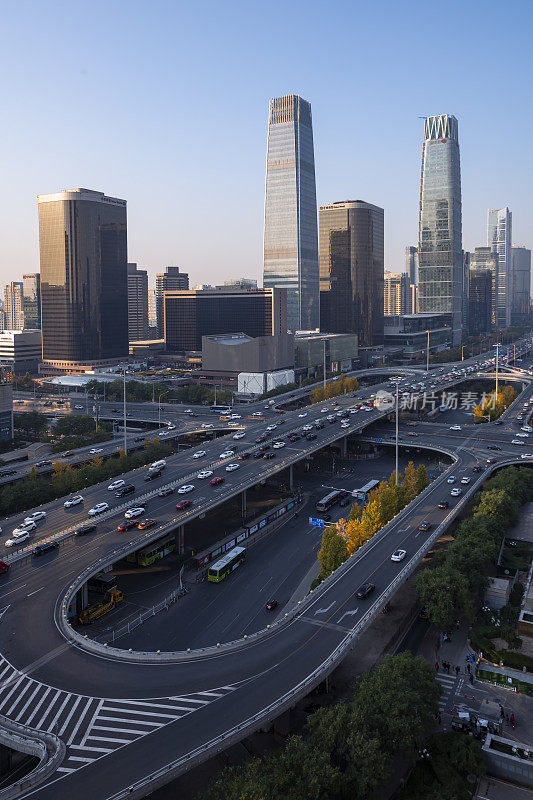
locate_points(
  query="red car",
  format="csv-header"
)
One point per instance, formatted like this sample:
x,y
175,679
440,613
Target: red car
x,y
3,567
278,411
271,605
260,439
183,504
126,525
216,481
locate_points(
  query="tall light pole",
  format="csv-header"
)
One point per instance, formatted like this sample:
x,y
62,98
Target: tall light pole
x,y
159,403
497,346
324,382
125,433
397,413
427,360
462,352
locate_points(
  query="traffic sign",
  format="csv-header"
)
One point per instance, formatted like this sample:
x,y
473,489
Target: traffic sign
x,y
316,522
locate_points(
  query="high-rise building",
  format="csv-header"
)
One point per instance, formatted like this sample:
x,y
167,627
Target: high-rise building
x,y
520,313
14,306
396,295
440,252
152,312
137,303
290,236
411,264
483,258
466,288
31,300
189,315
351,248
84,284
499,238
169,280
480,301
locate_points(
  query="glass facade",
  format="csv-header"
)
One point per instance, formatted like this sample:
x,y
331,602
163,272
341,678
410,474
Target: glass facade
x,y
499,237
351,250
440,255
166,281
480,301
31,300
84,289
290,235
137,303
14,306
521,285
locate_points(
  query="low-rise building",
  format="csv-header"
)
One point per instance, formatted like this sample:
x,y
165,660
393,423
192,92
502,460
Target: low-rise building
x,y
410,333
21,351
238,352
340,351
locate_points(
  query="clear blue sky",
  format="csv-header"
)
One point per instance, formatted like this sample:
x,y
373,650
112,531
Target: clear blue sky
x,y
165,104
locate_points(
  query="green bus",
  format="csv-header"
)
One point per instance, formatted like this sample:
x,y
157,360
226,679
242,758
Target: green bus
x,y
226,564
153,552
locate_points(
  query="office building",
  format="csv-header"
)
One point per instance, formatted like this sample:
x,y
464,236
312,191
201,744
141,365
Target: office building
x,y
237,352
290,235
440,252
340,351
483,258
169,280
84,283
351,249
14,306
480,301
137,303
6,404
31,300
499,238
396,295
241,283
20,351
521,262
152,312
190,315
408,334
411,264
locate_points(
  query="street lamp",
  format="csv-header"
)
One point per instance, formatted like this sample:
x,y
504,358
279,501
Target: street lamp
x,y
427,353
125,433
159,403
497,346
397,413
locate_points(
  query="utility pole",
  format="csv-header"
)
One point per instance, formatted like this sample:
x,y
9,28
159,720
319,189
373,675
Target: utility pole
x,y
324,383
462,352
427,360
397,413
125,432
497,346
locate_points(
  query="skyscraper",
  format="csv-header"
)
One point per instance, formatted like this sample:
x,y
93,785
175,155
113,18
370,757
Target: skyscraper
x,y
411,263
84,287
31,300
351,270
170,279
480,301
396,297
483,258
290,236
440,254
499,238
520,313
137,303
13,306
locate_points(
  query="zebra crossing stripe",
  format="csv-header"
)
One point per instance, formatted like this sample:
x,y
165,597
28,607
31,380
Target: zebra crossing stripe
x,y
39,704
118,730
18,699
14,689
136,721
63,704
91,723
80,720
27,703
145,713
71,713
91,749
107,739
48,709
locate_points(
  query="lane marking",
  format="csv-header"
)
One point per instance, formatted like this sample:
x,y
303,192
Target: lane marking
x,y
347,614
323,610
35,592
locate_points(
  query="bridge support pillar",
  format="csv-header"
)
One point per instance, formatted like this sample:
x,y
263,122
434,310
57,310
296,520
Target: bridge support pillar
x,y
81,600
180,539
291,477
344,446
243,504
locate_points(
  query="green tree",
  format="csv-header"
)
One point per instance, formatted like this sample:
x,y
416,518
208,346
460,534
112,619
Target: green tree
x,y
445,594
409,482
332,553
422,479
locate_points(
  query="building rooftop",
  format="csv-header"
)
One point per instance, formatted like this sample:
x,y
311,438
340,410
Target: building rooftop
x,y
230,338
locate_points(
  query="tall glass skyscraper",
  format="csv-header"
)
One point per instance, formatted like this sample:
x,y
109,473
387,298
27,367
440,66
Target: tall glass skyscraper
x,y
291,236
440,254
499,238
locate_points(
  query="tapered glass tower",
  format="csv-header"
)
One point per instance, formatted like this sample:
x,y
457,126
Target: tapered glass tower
x,y
499,238
440,255
291,236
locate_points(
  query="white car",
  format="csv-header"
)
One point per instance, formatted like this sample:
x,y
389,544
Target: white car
x,y
456,492
455,428
199,454
324,410
518,441
345,424
131,513
399,555
171,427
271,428
188,411
258,413
232,467
188,487
206,425
526,455
99,508
205,473
239,435
227,454
116,485
367,408
73,501
304,414
278,445
307,428
354,410
466,479
78,408
235,416
94,450
163,433
452,479
523,435
35,517
17,538
24,527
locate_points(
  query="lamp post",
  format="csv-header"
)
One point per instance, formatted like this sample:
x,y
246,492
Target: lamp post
x,y
397,413
324,381
159,404
427,354
125,433
497,346
462,352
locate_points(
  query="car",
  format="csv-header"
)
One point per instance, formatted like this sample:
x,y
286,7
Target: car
x,y
258,413
307,428
78,408
188,411
239,435
522,435
491,460
499,422
343,424
311,436
324,410
116,485
67,454
146,523
456,492
135,511
204,473
139,439
455,428
493,447
5,472
25,526
424,526
271,428
294,437
518,441
45,547
99,508
278,445
268,456
151,474
166,491
35,517
206,425
411,433
171,427
129,488
466,479
398,555
364,590
227,454
95,450
186,488
232,467
303,414
264,448
451,479
443,504
260,439
271,605
217,480
280,422
258,454
4,567
477,468
526,455
126,525
17,538
198,454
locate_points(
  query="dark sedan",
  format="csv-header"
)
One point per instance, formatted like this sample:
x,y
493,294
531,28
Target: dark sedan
x,y
365,590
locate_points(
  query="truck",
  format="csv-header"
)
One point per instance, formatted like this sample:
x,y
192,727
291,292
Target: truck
x,y
111,599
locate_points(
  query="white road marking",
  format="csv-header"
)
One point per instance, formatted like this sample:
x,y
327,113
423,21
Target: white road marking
x,y
323,610
72,710
3,611
39,704
90,749
4,701
25,706
116,730
91,723
347,614
80,720
35,592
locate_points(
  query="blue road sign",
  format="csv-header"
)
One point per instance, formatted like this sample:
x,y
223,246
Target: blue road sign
x,y
316,522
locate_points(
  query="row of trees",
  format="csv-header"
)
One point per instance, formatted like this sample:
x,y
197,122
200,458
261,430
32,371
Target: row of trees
x,y
36,489
348,749
346,536
492,407
334,388
453,586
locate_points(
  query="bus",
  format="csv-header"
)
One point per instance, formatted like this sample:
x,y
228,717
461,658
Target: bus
x,y
221,409
226,564
364,491
329,500
153,552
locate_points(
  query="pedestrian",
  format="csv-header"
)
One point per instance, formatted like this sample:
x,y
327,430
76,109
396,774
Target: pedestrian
x,y
436,666
501,711
457,670
507,719
469,668
471,679
512,720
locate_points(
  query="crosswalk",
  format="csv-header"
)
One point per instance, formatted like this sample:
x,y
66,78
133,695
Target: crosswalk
x,y
91,727
448,683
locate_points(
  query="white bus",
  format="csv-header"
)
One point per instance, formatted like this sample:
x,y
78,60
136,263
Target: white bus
x,y
364,491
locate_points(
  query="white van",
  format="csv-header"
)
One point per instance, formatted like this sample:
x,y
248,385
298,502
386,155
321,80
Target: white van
x,y
158,465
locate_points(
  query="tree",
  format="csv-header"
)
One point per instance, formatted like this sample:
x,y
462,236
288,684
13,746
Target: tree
x,y
445,594
422,479
355,512
332,552
30,422
409,482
